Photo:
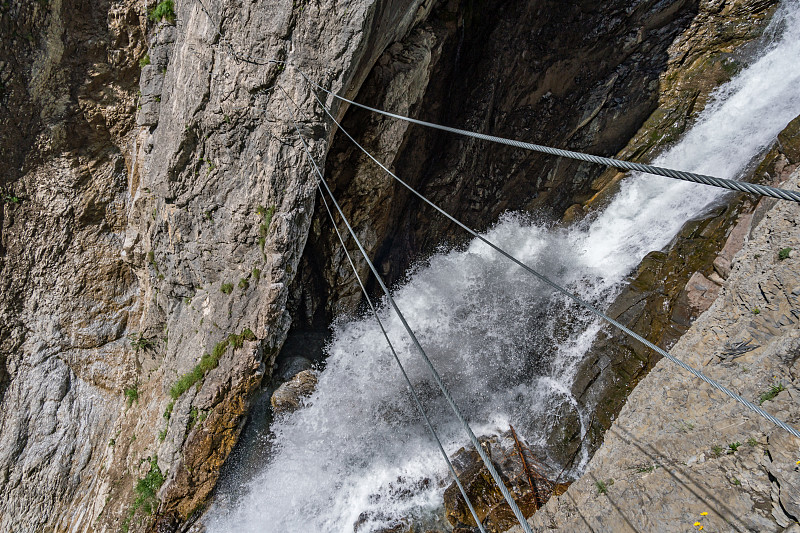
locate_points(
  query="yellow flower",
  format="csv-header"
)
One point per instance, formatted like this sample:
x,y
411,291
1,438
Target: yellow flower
x,y
700,528
706,514
696,524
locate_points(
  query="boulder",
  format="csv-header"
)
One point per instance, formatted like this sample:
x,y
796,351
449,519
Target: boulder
x,y
290,367
289,396
524,478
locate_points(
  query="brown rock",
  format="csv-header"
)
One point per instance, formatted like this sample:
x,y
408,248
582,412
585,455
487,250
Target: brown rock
x,y
526,482
789,141
289,396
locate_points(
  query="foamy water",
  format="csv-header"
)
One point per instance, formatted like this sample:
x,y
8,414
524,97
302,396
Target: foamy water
x,y
359,452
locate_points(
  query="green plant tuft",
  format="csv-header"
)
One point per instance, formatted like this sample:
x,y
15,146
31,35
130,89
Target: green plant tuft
x,y
143,62
784,253
131,395
196,417
717,450
168,410
752,442
207,363
187,380
163,11
227,288
147,488
11,199
139,342
244,284
256,274
266,214
733,446
771,393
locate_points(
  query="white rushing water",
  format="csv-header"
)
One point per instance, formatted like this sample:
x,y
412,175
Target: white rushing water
x,y
360,453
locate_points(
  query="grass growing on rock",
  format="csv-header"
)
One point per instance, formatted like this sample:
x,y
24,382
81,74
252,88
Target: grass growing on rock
x,y
147,487
266,214
196,417
208,362
139,342
146,490
163,11
131,395
227,288
771,393
602,486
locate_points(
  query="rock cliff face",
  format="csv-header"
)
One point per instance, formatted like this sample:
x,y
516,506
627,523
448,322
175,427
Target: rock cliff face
x,y
68,76
144,240
583,77
681,452
157,201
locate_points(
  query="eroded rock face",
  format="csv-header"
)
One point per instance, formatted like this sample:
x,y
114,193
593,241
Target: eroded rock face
x,y
680,448
117,261
578,76
68,75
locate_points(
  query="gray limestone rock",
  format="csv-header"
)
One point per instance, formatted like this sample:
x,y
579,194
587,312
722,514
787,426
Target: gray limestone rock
x,y
679,448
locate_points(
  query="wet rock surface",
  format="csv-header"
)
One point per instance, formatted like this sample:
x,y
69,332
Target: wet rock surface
x,y
681,452
668,292
289,396
526,479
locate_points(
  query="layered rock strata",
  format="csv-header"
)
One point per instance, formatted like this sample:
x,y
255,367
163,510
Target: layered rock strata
x,y
682,453
145,267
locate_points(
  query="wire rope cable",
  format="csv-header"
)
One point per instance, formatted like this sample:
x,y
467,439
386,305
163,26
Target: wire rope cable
x,y
724,183
586,305
402,369
437,378
733,185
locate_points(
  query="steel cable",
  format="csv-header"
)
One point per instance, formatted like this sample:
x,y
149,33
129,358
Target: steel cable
x,y
733,185
586,305
437,378
402,370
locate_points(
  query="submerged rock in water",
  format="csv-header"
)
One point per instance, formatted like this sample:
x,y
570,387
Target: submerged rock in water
x,y
288,396
290,367
521,472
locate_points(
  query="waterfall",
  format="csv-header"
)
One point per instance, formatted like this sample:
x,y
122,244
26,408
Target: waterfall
x,y
358,453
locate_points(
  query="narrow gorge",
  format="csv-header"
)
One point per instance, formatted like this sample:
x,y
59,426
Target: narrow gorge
x,y
168,262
